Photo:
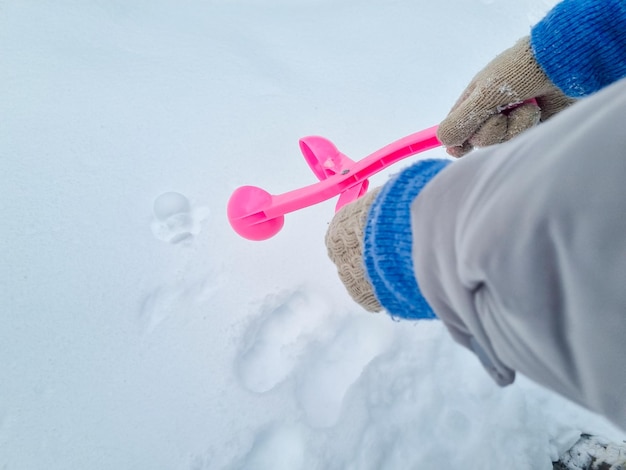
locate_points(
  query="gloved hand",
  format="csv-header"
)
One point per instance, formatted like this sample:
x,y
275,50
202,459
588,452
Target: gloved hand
x,y
480,116
371,242
344,242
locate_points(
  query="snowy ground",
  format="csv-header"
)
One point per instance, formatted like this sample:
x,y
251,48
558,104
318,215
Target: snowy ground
x,y
137,331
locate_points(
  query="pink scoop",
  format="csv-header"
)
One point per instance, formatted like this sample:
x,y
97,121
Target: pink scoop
x,y
256,214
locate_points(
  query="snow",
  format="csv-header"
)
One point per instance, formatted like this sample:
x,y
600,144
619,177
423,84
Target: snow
x,y
137,330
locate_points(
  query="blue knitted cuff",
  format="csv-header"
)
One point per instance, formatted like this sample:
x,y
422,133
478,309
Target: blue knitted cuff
x,y
388,242
581,45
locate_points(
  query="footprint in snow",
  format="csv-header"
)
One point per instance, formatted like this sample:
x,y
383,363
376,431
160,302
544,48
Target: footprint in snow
x,y
338,364
175,220
277,339
297,336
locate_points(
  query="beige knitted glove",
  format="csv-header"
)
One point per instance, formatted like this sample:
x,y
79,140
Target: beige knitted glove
x,y
344,242
479,118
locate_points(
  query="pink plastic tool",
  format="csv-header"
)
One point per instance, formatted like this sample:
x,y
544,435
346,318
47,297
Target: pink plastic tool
x,y
256,214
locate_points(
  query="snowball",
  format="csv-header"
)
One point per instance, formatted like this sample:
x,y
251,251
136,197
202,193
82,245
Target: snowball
x,y
169,204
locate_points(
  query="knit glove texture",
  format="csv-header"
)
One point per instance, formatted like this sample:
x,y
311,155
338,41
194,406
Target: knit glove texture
x,y
344,242
483,115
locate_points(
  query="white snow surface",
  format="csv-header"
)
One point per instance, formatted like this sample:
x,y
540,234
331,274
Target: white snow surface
x,y
138,331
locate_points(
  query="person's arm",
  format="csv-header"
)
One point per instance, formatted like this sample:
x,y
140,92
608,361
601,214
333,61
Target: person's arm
x,y
521,250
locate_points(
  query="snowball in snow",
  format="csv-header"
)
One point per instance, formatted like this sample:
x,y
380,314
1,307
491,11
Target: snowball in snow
x,y
175,220
170,204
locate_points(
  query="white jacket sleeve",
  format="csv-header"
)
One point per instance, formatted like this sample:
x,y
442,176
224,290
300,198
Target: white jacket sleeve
x,y
521,250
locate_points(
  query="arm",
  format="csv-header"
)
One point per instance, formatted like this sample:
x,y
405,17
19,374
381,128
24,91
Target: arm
x,y
520,250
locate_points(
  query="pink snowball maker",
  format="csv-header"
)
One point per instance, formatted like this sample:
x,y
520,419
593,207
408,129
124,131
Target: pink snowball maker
x,y
257,215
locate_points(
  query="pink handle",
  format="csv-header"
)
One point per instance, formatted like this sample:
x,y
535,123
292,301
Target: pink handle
x,y
359,172
257,215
